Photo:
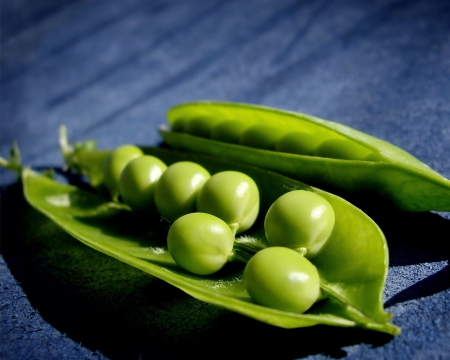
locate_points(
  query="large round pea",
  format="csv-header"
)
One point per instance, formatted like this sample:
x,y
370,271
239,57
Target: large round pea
x,y
114,165
233,197
281,278
261,136
300,220
229,131
297,143
177,189
200,243
138,182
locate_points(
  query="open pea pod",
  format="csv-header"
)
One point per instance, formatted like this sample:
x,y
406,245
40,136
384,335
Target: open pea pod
x,y
377,167
352,267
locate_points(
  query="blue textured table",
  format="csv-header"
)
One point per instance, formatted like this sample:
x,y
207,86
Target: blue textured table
x,y
109,70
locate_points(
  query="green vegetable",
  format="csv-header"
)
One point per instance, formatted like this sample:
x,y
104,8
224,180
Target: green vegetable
x,y
200,243
385,171
138,182
228,131
261,136
200,126
298,142
114,165
283,279
177,189
300,220
352,266
343,149
231,196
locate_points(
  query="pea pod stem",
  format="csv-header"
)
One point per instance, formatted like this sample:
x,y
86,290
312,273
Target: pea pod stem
x,y
83,157
14,162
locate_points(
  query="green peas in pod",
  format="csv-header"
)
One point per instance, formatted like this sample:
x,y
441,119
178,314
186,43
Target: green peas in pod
x,y
114,165
200,243
177,189
231,196
201,126
261,136
180,124
281,278
229,131
300,220
138,182
343,149
297,142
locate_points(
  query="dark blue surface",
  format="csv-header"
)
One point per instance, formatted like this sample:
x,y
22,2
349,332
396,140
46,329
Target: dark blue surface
x,y
110,70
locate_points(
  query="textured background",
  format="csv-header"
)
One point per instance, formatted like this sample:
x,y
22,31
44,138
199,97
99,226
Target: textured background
x,y
109,70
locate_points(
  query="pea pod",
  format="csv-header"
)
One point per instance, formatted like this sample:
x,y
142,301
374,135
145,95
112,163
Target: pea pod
x,y
352,267
377,167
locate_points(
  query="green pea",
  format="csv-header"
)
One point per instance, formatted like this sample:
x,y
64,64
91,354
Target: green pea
x,y
138,182
180,124
261,137
233,197
177,189
229,131
298,143
201,126
114,165
342,149
301,220
200,243
373,156
281,278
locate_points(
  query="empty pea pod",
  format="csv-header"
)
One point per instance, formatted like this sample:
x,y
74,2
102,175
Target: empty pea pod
x,y
344,160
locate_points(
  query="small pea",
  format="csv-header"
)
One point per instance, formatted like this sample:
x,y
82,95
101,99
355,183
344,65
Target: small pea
x,y
229,131
233,197
261,136
138,182
373,156
283,279
342,149
200,243
180,124
201,126
114,165
297,143
178,187
300,220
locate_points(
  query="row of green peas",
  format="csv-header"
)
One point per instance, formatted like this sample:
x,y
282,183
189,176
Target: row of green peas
x,y
206,212
269,137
